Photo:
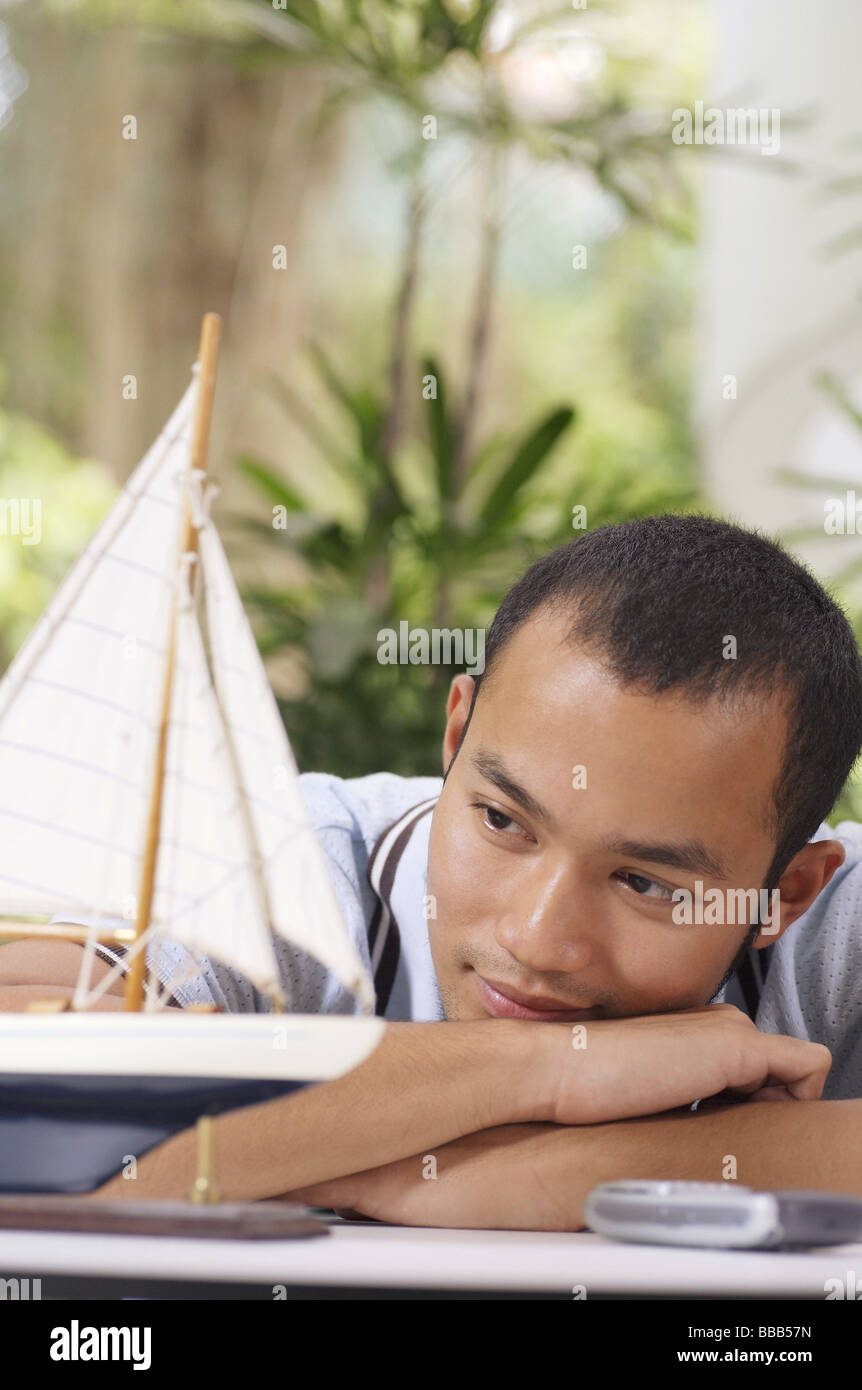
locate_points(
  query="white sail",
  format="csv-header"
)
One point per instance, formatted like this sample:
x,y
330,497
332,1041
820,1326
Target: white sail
x,y
237,856
206,890
301,902
79,701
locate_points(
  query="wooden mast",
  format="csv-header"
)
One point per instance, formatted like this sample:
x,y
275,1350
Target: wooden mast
x,y
207,362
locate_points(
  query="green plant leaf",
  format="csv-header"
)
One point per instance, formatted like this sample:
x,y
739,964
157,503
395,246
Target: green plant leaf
x,y
299,528
365,408
835,389
299,411
439,431
267,481
367,411
528,458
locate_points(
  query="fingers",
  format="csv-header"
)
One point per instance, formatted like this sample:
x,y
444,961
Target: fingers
x,y
792,1068
797,1066
811,1087
771,1093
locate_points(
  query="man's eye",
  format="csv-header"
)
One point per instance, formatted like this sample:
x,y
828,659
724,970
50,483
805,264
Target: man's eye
x,y
642,887
496,820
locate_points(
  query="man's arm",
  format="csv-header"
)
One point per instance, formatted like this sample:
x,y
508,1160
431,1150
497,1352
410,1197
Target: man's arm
x,y
427,1084
424,1083
24,963
536,1176
430,1083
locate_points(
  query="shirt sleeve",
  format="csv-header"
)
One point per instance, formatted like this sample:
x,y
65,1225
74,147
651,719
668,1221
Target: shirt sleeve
x,y
813,987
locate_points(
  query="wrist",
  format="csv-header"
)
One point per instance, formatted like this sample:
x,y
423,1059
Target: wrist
x,y
529,1057
494,1057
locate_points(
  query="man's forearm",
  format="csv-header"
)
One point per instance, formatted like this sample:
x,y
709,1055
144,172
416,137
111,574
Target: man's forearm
x,y
536,1176
425,1083
813,1144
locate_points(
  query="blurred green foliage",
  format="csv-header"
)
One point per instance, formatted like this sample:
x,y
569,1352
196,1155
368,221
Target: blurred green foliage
x,y
443,483
73,495
442,560
437,520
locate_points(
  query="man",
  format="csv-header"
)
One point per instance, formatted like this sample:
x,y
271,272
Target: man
x,y
668,711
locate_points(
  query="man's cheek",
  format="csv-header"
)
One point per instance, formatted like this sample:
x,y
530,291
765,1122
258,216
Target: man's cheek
x,y
458,890
679,974
455,914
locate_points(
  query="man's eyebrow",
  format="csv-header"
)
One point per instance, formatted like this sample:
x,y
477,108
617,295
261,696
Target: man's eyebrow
x,y
689,854
490,766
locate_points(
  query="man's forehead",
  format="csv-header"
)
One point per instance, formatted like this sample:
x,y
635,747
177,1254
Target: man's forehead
x,y
551,705
545,668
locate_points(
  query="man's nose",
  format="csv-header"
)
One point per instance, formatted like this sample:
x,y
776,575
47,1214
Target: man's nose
x,y
549,925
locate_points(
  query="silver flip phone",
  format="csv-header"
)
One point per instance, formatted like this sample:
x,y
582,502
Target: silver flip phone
x,y
722,1215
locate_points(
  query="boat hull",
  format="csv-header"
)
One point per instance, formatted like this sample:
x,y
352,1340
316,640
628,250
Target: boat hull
x,y
72,1133
81,1094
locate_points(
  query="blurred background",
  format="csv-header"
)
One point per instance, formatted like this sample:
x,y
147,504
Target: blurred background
x,y
470,284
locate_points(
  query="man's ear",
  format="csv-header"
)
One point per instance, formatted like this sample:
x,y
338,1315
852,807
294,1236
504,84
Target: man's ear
x,y
806,875
457,710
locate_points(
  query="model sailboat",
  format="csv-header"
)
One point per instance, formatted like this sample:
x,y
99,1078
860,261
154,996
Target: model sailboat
x,y
149,800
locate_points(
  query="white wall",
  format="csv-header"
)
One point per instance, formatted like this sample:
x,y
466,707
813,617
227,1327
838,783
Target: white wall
x,y
775,309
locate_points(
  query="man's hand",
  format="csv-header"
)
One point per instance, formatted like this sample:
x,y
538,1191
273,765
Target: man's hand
x,y
613,1069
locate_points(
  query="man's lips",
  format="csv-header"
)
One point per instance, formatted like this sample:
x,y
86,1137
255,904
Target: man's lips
x,y
504,1002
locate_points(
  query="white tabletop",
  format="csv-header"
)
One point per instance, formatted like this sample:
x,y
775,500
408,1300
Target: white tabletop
x,y
372,1255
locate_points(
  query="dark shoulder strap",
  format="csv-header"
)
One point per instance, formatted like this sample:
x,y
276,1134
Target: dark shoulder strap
x,y
752,977
384,940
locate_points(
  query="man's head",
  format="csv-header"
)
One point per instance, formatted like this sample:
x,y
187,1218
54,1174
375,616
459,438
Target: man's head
x,y
663,701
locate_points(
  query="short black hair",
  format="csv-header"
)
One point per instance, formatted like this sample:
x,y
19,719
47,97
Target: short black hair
x,y
656,600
